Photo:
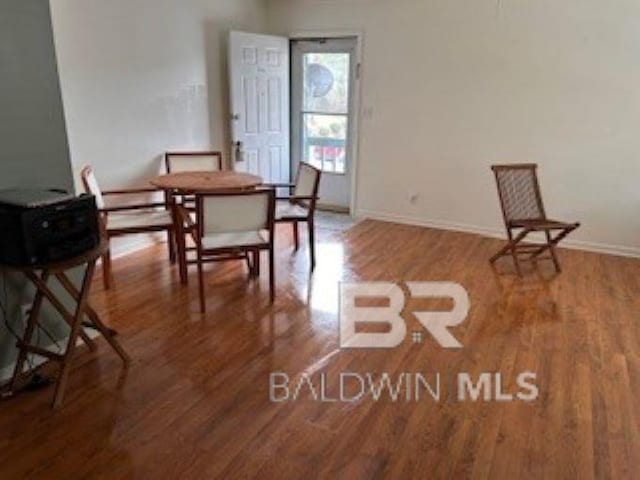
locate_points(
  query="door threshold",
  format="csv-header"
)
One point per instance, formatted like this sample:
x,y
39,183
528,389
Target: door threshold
x,y
326,207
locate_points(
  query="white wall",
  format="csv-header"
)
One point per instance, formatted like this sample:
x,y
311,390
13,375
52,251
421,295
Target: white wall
x,y
452,86
140,77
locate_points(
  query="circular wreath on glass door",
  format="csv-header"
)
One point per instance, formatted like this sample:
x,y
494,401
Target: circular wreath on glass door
x,y
319,80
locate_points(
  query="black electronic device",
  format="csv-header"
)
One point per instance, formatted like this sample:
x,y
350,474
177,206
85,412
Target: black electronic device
x,y
45,226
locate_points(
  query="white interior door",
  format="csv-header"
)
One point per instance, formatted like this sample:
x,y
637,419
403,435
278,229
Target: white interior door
x,y
259,80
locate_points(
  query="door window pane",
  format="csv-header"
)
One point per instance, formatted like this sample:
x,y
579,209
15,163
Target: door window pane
x,y
324,142
326,82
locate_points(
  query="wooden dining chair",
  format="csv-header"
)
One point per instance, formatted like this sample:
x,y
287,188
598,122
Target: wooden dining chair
x,y
300,205
181,162
133,218
191,161
523,213
232,225
207,161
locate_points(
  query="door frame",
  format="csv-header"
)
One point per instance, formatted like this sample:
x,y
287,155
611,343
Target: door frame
x,y
357,87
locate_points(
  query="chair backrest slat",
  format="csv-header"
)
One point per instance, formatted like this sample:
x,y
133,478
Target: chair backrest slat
x,y
177,162
307,183
91,185
519,192
235,212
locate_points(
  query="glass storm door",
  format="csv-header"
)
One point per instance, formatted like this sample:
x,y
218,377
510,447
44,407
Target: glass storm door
x,y
323,74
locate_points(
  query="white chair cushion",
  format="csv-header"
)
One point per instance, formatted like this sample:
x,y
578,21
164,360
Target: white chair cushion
x,y
286,209
235,213
234,239
125,220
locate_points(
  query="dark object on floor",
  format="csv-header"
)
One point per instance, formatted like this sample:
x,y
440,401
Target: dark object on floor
x,y
37,382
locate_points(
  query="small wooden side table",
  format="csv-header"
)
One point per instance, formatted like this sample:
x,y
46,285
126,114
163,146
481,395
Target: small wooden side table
x,y
38,275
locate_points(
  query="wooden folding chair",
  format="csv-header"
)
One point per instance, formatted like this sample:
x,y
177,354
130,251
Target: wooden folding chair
x,y
523,213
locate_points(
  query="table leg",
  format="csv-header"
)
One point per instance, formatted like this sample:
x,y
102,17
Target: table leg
x,y
75,331
171,234
180,241
32,322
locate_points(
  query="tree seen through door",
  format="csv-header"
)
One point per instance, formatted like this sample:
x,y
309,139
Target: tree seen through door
x,y
326,110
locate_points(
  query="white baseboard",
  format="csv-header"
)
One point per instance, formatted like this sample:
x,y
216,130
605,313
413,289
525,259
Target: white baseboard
x,y
122,247
619,250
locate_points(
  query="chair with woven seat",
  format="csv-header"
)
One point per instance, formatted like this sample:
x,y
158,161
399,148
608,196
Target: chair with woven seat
x,y
232,226
300,205
523,213
129,219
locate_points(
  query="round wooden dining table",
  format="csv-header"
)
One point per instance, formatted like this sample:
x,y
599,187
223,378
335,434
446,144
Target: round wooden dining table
x,y
206,182
183,184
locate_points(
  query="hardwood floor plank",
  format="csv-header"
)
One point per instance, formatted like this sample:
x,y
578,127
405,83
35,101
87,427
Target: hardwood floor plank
x,y
195,401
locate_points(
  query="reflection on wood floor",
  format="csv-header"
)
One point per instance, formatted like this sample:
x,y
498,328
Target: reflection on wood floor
x,y
195,402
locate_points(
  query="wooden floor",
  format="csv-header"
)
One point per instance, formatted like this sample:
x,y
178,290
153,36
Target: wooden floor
x,y
195,402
